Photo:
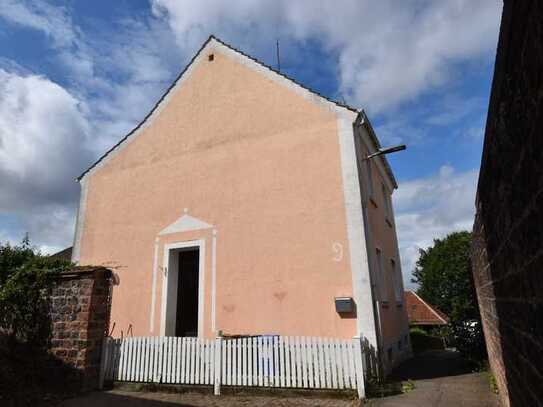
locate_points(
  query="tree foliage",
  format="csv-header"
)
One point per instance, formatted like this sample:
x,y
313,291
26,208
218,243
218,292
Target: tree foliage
x,y
444,275
25,277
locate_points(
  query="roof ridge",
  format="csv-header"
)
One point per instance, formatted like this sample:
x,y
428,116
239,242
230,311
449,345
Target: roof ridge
x,y
180,75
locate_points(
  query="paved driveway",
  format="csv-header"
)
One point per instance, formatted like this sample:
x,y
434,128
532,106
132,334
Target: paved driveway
x,y
442,379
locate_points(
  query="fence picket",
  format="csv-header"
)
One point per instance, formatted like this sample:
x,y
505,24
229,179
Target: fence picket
x,y
206,361
168,359
266,357
244,361
143,353
288,356
260,361
270,361
339,363
345,362
311,376
171,359
281,362
202,361
333,363
229,362
224,360
352,372
299,366
254,342
249,361
234,362
144,362
239,360
303,360
133,358
315,362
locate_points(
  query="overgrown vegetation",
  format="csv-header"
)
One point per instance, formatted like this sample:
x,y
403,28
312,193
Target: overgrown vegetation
x,y
26,376
422,340
444,275
24,282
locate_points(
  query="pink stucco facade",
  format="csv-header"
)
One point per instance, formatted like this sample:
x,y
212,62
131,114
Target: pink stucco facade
x,y
251,167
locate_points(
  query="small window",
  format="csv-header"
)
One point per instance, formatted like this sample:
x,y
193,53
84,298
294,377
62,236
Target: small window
x,y
386,203
400,344
381,276
396,278
369,179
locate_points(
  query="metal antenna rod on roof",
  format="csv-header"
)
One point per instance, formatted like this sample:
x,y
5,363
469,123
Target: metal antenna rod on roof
x,y
278,60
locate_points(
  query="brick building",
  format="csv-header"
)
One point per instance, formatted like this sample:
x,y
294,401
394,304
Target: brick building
x,y
508,231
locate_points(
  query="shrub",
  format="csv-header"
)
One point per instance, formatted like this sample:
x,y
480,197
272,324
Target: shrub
x,y
25,279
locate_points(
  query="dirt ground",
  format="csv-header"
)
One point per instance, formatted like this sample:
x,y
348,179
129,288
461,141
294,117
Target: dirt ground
x,y
118,398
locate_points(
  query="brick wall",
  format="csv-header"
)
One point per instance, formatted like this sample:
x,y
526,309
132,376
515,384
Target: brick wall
x,y
80,305
508,230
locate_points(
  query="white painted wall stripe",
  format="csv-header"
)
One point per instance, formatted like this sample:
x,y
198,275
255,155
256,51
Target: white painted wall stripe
x,y
80,220
153,288
355,229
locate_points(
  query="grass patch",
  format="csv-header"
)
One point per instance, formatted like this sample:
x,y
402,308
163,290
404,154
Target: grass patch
x,y
408,386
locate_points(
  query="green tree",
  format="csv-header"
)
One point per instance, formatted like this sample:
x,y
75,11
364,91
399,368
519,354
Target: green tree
x,y
443,273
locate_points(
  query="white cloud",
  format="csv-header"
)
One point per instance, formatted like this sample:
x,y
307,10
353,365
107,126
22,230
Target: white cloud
x,y
389,52
54,22
43,146
430,208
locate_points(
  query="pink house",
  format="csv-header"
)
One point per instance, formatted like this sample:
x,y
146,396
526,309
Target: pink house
x,y
244,203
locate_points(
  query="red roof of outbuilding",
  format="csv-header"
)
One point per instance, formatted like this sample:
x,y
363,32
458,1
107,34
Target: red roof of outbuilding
x,y
422,313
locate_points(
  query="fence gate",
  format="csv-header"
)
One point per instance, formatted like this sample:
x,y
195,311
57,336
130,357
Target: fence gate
x,y
274,361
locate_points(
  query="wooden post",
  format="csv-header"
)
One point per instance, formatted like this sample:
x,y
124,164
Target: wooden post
x,y
104,361
358,355
217,365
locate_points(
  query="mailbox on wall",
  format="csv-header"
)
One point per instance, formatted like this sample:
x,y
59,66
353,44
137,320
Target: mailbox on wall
x,y
344,305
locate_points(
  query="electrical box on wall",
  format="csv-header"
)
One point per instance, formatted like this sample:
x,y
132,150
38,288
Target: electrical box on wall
x,y
344,305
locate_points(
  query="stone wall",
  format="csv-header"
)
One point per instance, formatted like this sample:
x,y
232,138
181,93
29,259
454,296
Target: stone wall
x,y
79,312
508,231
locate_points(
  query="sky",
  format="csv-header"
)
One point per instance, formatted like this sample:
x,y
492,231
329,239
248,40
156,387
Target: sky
x,y
76,76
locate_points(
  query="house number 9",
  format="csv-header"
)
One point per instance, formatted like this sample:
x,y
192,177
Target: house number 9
x,y
337,248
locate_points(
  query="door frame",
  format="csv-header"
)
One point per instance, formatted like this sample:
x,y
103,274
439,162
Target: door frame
x,y
170,275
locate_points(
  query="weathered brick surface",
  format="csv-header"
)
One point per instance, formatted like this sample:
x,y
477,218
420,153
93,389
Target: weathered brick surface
x,y
508,231
80,303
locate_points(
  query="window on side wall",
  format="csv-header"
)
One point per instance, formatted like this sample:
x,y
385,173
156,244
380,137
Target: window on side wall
x,y
382,280
369,180
387,205
397,281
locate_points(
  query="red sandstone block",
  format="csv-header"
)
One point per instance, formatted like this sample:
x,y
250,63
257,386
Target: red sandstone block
x,y
83,316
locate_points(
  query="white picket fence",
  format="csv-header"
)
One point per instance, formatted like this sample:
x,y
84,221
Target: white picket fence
x,y
275,361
